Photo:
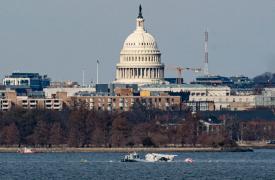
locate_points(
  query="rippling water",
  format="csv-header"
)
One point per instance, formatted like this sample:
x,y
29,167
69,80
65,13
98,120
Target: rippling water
x,y
246,165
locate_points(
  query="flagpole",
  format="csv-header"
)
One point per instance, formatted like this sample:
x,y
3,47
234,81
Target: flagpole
x,y
83,78
97,62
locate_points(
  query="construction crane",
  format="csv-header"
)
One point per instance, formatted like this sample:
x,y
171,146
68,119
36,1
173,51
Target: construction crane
x,y
179,70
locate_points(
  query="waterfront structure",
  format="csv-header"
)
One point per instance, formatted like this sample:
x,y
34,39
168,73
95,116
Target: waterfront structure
x,y
140,58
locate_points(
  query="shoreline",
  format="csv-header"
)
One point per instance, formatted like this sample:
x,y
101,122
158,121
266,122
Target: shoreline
x,y
128,150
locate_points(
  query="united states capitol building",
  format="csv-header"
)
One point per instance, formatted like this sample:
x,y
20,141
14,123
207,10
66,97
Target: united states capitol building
x,y
140,58
140,79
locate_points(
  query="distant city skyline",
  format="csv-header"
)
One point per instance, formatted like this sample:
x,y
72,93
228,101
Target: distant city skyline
x,y
63,38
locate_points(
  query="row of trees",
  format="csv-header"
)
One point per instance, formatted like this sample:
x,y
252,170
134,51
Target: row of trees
x,y
254,130
79,127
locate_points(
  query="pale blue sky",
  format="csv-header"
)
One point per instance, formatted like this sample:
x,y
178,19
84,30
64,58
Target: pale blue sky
x,y
62,37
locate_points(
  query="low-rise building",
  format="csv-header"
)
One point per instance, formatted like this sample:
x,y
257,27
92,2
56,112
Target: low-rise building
x,y
29,103
194,89
26,83
201,105
5,104
125,103
93,101
71,91
239,103
211,125
267,98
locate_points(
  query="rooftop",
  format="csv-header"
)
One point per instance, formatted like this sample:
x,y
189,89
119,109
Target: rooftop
x,y
180,86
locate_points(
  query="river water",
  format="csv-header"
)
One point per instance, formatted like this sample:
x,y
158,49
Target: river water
x,y
259,164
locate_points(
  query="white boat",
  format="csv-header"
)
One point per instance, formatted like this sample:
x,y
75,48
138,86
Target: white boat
x,y
26,150
155,157
132,157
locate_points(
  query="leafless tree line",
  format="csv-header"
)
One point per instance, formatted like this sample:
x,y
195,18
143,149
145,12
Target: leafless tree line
x,y
140,127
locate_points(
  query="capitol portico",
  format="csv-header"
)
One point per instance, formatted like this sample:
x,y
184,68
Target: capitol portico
x,y
140,58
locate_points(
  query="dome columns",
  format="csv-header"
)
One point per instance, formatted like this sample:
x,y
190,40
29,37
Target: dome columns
x,y
140,73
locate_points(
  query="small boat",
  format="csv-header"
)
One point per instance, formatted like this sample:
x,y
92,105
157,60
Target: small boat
x,y
155,157
132,157
26,150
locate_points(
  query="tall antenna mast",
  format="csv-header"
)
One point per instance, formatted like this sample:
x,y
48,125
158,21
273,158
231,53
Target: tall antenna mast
x,y
97,63
206,52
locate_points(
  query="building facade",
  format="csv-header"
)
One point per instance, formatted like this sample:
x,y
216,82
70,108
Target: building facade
x,y
267,98
71,91
125,103
27,84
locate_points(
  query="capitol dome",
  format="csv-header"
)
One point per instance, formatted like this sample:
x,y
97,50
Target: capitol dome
x,y
140,58
140,39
